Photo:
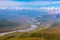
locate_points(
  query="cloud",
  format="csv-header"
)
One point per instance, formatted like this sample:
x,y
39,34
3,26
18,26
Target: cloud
x,y
36,4
32,5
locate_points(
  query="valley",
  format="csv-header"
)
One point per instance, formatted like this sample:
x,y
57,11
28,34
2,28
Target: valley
x,y
29,25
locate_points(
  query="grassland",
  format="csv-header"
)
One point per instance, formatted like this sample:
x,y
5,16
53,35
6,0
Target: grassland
x,y
46,34
6,26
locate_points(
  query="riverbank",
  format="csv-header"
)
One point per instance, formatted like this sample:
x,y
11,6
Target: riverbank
x,y
33,27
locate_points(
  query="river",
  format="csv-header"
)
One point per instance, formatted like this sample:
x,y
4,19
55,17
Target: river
x,y
33,27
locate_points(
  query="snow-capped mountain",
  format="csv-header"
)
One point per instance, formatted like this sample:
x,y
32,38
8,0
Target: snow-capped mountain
x,y
51,10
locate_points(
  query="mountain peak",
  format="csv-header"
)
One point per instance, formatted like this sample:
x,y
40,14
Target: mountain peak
x,y
51,10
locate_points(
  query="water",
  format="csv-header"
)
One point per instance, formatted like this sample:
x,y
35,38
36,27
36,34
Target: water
x,y
33,27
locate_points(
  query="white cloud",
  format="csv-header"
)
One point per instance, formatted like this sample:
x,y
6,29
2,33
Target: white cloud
x,y
35,4
13,3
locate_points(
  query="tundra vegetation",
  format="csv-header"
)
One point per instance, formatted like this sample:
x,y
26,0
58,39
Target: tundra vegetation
x,y
46,34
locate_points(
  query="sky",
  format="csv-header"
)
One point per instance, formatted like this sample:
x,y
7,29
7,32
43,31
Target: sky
x,y
29,3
